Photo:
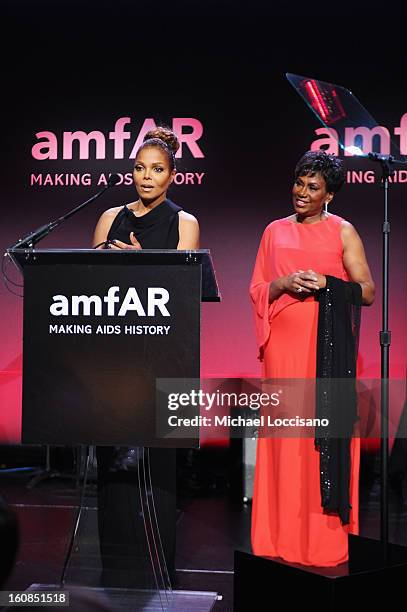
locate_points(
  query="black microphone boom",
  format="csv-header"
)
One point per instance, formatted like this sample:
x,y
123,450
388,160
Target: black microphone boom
x,y
113,179
31,239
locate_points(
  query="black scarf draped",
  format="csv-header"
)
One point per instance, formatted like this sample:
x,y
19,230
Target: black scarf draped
x,y
337,344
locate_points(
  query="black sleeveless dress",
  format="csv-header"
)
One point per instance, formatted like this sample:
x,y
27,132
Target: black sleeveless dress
x,y
121,530
158,229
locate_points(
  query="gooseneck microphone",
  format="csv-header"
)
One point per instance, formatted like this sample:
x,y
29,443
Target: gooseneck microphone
x,y
113,180
31,239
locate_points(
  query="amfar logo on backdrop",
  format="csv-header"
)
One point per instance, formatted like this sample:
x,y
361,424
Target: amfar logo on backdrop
x,y
362,138
97,306
98,145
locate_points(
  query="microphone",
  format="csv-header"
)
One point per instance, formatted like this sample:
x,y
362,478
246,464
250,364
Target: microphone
x,y
33,237
113,180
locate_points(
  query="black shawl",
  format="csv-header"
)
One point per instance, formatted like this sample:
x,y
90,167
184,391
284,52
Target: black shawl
x,y
337,344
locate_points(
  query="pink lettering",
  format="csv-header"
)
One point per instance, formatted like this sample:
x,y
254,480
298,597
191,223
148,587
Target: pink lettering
x,y
36,179
49,146
119,136
329,144
78,143
149,124
189,138
366,135
84,140
179,178
402,132
358,176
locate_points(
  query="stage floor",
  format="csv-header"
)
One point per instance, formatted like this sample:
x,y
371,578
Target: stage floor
x,y
210,528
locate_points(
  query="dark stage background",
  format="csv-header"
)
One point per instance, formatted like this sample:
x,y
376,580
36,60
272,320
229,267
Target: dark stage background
x,y
70,67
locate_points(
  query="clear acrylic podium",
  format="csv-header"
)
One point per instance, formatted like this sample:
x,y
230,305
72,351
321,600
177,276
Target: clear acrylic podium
x,y
100,326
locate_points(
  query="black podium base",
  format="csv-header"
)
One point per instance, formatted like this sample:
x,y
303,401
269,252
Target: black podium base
x,y
360,582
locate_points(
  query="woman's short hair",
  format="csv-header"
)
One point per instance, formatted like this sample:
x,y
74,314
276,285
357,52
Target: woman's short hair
x,y
329,166
164,138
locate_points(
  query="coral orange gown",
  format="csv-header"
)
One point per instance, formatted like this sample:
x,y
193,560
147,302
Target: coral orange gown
x,y
288,520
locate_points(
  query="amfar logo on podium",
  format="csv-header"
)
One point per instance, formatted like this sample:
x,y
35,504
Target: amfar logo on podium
x,y
97,306
157,297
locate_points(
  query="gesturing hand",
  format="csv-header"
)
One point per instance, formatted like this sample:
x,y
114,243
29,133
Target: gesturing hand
x,y
118,244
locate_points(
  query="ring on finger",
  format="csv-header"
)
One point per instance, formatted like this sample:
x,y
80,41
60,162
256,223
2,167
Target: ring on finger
x,y
299,289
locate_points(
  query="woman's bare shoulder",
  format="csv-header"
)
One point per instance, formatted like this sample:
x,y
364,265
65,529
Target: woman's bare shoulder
x,y
104,224
111,212
184,216
347,229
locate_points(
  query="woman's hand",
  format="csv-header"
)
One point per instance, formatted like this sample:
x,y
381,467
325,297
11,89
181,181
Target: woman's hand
x,y
321,279
303,281
119,245
298,282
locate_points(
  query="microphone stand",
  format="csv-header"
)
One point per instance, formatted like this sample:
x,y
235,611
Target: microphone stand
x,y
31,239
28,243
386,162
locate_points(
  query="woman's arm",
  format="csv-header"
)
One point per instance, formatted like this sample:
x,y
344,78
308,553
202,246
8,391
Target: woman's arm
x,y
354,260
103,226
188,232
262,282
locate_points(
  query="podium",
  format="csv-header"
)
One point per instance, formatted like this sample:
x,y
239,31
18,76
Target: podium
x,y
100,327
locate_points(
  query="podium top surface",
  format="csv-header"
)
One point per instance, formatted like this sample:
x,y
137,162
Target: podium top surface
x,y
165,257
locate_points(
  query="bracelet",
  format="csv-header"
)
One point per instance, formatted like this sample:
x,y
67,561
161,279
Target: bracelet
x,y
106,244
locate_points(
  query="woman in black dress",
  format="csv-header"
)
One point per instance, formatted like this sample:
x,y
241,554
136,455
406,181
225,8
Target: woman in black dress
x,y
150,222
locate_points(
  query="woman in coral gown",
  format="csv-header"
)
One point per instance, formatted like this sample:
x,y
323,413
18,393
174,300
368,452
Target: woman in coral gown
x,y
297,259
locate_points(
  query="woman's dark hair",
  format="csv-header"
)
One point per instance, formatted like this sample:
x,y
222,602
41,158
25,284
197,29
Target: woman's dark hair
x,y
165,139
328,166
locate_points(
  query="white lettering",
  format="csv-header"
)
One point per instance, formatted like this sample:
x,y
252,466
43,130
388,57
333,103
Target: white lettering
x,y
132,302
111,299
86,301
157,297
87,305
70,329
60,307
